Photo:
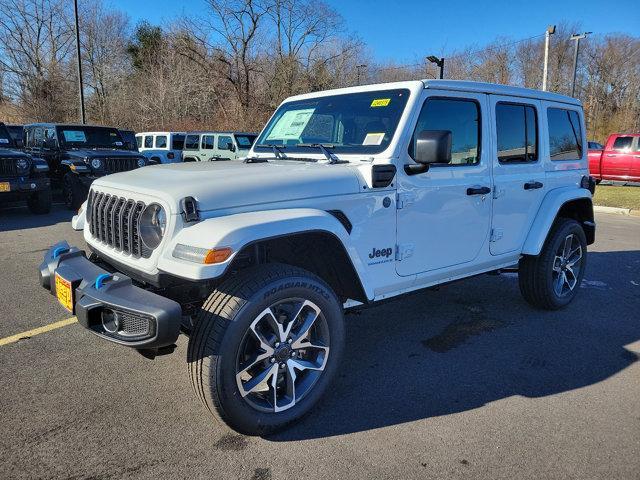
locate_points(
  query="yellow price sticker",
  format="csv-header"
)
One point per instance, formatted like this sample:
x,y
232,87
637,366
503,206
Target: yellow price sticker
x,y
381,102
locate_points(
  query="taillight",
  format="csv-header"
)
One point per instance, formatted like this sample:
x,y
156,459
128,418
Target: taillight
x,y
171,155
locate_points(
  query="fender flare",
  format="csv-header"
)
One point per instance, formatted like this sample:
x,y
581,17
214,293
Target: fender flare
x,y
239,230
547,213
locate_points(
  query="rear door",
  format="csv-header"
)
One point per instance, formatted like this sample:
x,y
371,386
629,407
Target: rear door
x,y
207,148
518,170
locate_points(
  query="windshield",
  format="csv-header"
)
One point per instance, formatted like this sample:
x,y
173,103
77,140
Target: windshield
x,y
245,141
16,131
83,136
350,123
5,139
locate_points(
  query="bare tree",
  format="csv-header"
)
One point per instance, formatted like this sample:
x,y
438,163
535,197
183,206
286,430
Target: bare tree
x,y
35,49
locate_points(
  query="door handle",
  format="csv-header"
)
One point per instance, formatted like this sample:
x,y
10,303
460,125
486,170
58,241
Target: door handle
x,y
636,156
611,155
478,190
533,185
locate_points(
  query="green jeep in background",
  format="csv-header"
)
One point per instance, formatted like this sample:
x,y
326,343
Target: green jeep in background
x,y
213,146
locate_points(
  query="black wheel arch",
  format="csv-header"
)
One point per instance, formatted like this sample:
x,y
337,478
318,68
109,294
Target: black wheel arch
x,y
319,252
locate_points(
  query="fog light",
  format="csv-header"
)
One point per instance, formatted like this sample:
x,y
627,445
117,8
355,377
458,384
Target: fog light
x,y
110,320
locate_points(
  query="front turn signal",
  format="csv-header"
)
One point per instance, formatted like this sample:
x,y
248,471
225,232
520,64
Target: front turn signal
x,y
202,255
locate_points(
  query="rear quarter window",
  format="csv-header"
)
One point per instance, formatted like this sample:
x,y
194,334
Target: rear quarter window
x,y
565,134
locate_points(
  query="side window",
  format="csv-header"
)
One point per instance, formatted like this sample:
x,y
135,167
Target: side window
x,y
161,141
192,142
516,132
38,137
223,141
148,141
139,141
177,142
622,143
462,118
565,134
207,142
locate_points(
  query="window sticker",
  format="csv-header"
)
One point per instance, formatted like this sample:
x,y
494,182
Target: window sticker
x,y
380,102
291,125
373,139
4,140
74,136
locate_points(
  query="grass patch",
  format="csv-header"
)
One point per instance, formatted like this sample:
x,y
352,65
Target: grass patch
x,y
617,196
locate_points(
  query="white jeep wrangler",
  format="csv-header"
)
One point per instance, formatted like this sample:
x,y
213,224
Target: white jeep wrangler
x,y
347,197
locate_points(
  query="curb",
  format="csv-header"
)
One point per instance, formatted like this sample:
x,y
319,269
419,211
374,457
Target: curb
x,y
616,210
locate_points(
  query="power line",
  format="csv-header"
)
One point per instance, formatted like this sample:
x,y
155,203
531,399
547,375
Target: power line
x,y
460,55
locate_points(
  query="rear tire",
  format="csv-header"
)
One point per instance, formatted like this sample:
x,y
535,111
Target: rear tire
x,y
240,362
39,202
552,279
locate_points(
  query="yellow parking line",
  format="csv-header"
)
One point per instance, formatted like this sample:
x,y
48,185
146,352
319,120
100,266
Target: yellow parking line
x,y
37,331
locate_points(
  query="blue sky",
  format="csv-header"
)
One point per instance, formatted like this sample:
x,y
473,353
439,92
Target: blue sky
x,y
405,31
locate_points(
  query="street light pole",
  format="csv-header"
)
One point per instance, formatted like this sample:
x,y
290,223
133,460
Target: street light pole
x,y
83,117
577,37
551,29
439,63
358,69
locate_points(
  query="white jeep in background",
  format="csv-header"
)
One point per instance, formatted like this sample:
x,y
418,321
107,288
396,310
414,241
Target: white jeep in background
x,y
217,146
161,147
347,197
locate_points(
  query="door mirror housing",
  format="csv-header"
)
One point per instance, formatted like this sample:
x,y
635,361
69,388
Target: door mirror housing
x,y
231,146
50,143
431,146
19,143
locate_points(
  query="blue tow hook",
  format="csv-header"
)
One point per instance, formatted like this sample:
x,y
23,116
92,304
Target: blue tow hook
x,y
58,251
100,279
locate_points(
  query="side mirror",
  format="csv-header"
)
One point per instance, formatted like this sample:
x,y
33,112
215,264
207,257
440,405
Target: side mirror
x,y
231,146
19,143
50,143
432,146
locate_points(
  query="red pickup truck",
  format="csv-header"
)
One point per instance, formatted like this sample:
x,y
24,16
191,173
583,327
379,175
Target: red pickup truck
x,y
619,160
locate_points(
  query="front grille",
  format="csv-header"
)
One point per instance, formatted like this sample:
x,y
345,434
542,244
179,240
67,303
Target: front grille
x,y
114,220
115,164
8,167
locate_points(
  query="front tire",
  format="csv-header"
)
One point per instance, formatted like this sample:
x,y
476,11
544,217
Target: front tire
x,y
551,280
73,192
265,346
39,203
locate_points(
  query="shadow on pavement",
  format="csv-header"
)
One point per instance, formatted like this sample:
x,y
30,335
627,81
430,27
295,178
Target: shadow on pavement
x,y
475,342
18,217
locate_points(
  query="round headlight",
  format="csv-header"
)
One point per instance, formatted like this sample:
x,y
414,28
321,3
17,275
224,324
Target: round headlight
x,y
153,223
22,164
96,163
141,162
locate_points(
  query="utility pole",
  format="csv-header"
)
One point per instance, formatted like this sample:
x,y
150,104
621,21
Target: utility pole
x,y
577,37
359,68
551,29
439,63
83,117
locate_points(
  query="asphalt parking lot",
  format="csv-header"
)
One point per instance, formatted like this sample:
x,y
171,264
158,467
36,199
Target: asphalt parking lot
x,y
462,382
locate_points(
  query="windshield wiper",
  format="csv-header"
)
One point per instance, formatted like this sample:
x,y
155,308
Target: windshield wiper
x,y
277,149
323,147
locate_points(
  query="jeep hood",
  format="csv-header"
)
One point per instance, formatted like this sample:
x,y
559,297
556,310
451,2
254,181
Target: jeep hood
x,y
220,185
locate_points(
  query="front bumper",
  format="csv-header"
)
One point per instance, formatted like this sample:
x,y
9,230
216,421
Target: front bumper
x,y
25,185
109,305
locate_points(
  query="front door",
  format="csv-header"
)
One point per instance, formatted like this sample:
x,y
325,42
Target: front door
x,y
518,172
444,214
616,163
